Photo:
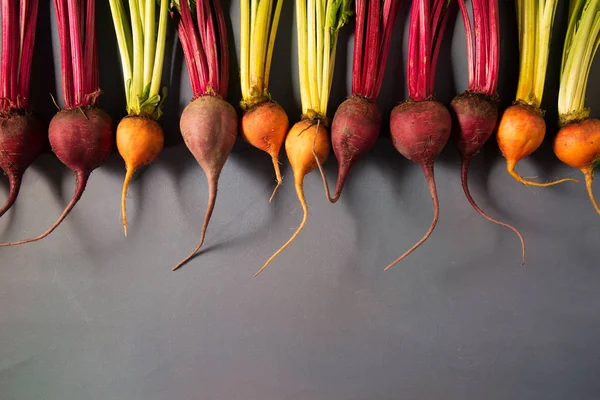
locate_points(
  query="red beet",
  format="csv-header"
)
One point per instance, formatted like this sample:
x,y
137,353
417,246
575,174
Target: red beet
x,y
209,128
82,140
420,130
475,116
22,140
354,130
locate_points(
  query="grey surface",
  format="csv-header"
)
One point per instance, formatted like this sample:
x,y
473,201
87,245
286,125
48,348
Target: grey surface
x,y
88,315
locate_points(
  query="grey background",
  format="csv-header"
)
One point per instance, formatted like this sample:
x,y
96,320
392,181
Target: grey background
x,y
86,314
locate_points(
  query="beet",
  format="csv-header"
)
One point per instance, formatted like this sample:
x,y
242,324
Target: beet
x,y
354,130
82,140
420,130
209,128
475,116
22,140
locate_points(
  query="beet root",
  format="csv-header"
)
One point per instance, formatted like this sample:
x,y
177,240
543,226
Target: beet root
x,y
420,130
354,130
22,140
475,117
209,128
82,140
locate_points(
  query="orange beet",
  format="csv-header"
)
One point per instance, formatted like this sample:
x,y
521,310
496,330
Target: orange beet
x,y
306,138
520,132
265,127
578,145
139,141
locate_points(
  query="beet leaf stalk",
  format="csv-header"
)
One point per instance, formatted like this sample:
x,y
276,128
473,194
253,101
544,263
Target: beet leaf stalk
x,y
357,121
264,123
475,111
577,144
80,134
141,30
209,123
318,23
522,127
420,126
22,137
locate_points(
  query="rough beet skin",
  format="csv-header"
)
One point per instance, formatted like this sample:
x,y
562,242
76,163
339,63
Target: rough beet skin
x,y
22,140
354,130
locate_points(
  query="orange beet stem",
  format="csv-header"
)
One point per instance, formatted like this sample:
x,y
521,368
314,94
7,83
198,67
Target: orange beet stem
x,y
428,171
510,167
300,192
81,181
589,178
464,177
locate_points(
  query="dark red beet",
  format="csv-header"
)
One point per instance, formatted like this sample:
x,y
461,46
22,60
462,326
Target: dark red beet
x,y
475,117
22,140
82,140
420,130
209,128
354,130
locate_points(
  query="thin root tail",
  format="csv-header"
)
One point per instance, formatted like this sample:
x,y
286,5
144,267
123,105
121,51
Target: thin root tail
x,y
14,182
589,178
212,199
336,196
510,167
278,176
128,176
81,181
428,170
464,179
300,192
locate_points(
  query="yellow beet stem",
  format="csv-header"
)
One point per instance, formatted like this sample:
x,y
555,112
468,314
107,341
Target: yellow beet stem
x,y
546,14
313,70
302,57
298,181
526,13
589,178
259,40
148,22
271,44
212,198
510,167
128,176
275,160
244,47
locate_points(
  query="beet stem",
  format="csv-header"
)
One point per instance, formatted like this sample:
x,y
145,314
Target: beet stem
x,y
510,167
128,176
212,198
464,179
589,177
428,171
81,181
300,193
14,182
277,175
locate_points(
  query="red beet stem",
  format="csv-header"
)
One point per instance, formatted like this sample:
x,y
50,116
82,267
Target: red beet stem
x,y
65,51
81,181
91,73
8,50
390,12
76,53
213,180
28,17
359,32
14,181
464,179
209,42
194,56
428,171
372,48
223,48
469,36
493,61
